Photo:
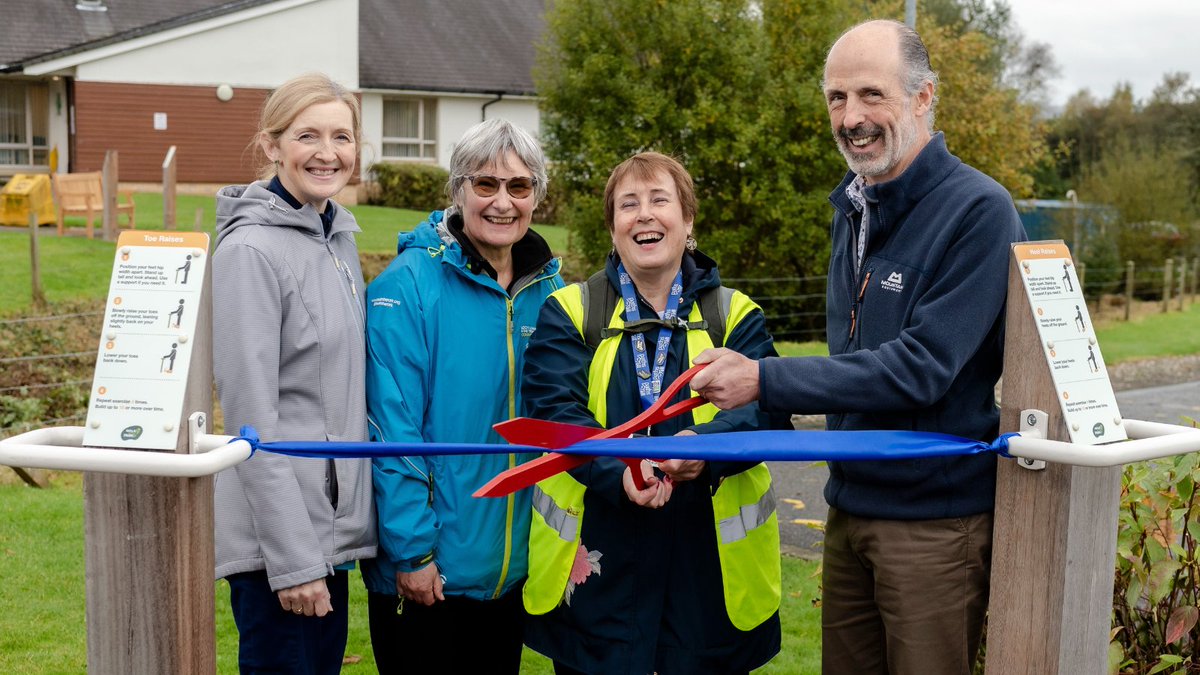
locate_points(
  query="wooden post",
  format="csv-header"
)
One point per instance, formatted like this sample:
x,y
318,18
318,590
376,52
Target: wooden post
x,y
1128,287
1168,267
108,184
1055,531
168,169
1195,272
198,223
149,548
35,259
1183,273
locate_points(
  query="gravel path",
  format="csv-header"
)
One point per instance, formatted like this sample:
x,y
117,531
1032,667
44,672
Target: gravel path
x,y
1155,372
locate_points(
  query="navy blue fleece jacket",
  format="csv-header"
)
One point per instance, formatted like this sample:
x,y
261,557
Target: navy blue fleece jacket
x,y
915,336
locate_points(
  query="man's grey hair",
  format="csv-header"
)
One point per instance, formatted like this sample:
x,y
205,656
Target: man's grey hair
x,y
917,70
914,58
490,141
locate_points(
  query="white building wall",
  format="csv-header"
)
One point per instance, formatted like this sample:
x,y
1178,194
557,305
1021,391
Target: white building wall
x,y
372,124
60,118
457,114
260,47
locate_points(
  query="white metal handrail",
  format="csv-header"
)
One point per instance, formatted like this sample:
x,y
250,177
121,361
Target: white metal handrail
x,y
61,448
1153,440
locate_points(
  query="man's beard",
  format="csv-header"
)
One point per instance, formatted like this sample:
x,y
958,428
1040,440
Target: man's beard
x,y
896,140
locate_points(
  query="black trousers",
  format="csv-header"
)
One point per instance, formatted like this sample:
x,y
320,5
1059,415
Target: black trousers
x,y
274,640
457,635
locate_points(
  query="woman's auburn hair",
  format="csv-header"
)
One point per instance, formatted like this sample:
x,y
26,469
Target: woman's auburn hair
x,y
644,166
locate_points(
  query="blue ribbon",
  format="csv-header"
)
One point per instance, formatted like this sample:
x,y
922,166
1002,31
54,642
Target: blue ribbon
x,y
738,446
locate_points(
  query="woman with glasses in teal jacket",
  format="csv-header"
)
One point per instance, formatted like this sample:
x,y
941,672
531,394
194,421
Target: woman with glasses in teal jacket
x,y
447,325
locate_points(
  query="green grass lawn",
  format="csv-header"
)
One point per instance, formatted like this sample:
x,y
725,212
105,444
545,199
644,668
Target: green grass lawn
x,y
74,267
42,627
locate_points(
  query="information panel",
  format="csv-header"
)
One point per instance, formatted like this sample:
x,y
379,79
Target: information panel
x,y
1068,341
145,346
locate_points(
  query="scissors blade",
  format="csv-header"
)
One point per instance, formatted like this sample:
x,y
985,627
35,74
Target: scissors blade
x,y
530,473
543,433
553,435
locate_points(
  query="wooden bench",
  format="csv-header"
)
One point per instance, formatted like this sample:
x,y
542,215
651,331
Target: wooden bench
x,y
82,194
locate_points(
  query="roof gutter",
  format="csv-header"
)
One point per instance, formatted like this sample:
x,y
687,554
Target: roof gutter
x,y
483,110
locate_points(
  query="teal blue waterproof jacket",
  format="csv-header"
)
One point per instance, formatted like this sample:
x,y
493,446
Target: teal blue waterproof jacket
x,y
445,347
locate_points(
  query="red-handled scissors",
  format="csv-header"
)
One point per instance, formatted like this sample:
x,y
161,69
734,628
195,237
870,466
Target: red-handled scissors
x,y
554,435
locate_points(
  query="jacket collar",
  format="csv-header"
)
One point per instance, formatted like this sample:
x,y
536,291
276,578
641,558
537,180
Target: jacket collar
x,y
896,197
699,273
442,233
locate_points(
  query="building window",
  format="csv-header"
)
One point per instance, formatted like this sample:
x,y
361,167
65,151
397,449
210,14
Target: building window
x,y
410,129
24,123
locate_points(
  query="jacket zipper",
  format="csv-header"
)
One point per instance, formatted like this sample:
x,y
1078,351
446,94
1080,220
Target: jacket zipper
x,y
855,314
343,269
510,500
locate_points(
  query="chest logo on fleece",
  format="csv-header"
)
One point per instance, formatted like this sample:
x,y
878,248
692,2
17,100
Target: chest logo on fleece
x,y
894,282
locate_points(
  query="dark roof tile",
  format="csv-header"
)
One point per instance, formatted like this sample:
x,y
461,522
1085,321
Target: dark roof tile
x,y
449,45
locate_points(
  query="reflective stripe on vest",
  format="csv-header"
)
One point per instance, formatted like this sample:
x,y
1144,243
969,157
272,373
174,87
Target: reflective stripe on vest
x,y
749,517
559,520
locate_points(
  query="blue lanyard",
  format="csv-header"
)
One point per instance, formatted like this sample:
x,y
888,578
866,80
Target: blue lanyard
x,y
649,380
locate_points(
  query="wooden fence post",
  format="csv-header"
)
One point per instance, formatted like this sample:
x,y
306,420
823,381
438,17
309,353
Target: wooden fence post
x,y
149,549
168,169
1195,273
35,259
1168,267
1183,274
108,184
1129,268
198,223
1055,531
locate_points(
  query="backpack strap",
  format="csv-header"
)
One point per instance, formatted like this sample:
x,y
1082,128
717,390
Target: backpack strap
x,y
599,300
714,308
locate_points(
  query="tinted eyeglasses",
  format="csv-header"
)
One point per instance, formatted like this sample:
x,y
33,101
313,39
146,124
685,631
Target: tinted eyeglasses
x,y
519,187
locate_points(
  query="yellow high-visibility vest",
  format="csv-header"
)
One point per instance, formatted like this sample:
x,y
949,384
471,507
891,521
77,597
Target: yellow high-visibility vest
x,y
744,517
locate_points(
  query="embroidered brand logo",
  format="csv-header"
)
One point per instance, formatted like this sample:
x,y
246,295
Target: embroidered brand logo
x,y
894,282
527,331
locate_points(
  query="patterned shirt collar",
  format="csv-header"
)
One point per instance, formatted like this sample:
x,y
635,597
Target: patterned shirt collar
x,y
855,192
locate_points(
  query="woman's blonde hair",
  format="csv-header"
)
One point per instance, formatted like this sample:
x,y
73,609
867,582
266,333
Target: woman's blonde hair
x,y
290,99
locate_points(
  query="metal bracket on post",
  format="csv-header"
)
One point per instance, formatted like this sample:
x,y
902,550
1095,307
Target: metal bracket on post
x,y
1034,424
197,428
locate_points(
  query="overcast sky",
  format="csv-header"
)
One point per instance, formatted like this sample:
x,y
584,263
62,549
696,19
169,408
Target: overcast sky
x,y
1099,43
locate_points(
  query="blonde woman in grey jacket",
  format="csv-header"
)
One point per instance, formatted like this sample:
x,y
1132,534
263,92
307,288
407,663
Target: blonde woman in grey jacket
x,y
288,357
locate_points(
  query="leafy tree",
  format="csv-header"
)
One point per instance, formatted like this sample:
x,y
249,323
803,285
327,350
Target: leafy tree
x,y
732,88
985,124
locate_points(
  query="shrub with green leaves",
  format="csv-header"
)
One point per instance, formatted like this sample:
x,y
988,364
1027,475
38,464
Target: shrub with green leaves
x,y
1156,597
409,185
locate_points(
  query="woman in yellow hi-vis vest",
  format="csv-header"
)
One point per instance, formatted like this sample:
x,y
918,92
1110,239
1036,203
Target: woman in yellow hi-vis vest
x,y
682,577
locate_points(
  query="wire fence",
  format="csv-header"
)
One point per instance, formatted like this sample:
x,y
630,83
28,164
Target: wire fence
x,y
794,308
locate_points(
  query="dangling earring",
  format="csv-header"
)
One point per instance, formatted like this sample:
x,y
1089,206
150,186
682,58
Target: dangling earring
x,y
690,244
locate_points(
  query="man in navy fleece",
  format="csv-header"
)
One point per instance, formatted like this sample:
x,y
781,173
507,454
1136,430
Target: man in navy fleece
x,y
917,282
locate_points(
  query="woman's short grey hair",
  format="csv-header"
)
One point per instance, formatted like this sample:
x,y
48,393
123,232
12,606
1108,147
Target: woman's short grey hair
x,y
490,141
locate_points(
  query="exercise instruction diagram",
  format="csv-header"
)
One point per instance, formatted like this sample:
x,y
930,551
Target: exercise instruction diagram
x,y
145,346
1068,340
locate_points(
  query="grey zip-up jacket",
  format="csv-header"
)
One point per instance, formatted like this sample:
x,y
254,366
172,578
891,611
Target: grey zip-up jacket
x,y
289,359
